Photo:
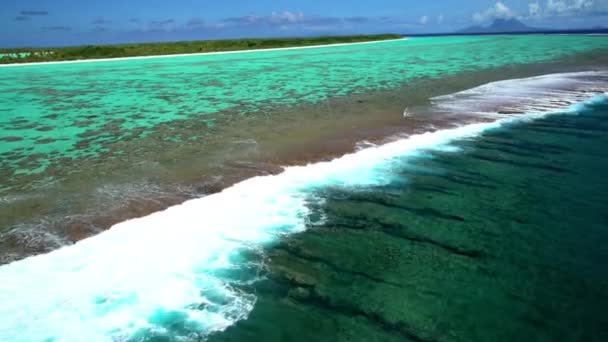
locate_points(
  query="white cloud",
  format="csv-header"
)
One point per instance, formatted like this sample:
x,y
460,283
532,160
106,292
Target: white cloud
x,y
556,6
287,17
534,9
424,19
440,19
562,8
499,10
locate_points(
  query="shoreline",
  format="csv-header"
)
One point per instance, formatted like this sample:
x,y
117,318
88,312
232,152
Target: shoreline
x,y
142,198
197,54
173,190
179,253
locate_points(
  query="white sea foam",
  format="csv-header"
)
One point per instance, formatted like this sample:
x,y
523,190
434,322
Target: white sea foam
x,y
166,272
535,94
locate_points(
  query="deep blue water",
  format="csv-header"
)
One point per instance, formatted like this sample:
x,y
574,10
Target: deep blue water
x,y
505,240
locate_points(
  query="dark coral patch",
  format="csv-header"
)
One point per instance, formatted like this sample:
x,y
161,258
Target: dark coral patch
x,y
11,139
44,128
45,141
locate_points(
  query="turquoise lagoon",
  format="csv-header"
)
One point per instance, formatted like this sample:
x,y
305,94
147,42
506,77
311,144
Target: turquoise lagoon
x,y
79,110
485,222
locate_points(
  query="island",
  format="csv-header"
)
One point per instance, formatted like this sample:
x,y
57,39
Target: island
x,y
32,55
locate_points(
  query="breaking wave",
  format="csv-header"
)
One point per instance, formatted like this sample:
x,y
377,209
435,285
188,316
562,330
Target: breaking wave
x,y
178,272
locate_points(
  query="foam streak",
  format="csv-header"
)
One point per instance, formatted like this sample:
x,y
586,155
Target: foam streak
x,y
169,273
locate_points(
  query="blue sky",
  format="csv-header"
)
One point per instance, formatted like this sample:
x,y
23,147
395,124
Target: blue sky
x,y
72,22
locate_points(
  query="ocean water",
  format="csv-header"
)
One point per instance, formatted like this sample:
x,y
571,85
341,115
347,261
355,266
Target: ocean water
x,y
487,229
84,146
502,238
55,114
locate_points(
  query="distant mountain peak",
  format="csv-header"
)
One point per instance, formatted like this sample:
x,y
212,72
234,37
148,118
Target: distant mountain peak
x,y
500,25
508,24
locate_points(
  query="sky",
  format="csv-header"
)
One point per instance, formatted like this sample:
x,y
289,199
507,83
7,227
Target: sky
x,y
77,22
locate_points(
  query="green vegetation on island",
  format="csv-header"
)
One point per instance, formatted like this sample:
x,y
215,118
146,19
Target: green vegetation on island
x,y
30,55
